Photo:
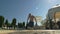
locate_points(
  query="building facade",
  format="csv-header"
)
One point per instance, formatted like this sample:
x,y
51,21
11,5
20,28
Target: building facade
x,y
54,13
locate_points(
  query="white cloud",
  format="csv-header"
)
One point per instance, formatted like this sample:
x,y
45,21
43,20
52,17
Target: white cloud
x,y
52,1
36,7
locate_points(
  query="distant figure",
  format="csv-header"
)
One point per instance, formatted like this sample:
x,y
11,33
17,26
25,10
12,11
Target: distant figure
x,y
30,20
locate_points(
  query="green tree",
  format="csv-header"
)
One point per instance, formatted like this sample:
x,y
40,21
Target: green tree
x,y
20,25
9,25
14,23
1,21
23,24
6,23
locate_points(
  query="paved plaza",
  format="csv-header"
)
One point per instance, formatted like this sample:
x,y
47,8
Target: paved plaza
x,y
29,31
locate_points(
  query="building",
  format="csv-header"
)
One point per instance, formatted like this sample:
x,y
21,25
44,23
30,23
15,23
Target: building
x,y
54,13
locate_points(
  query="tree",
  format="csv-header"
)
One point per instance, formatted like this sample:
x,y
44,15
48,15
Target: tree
x,y
14,22
20,25
6,23
23,24
1,21
9,25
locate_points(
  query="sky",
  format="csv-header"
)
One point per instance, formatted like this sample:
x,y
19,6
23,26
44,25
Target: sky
x,y
20,9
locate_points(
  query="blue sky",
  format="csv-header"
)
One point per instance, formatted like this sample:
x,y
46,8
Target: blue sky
x,y
20,9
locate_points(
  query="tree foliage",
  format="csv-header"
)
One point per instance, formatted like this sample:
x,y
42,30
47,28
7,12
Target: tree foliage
x,y
1,21
6,23
21,25
14,23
